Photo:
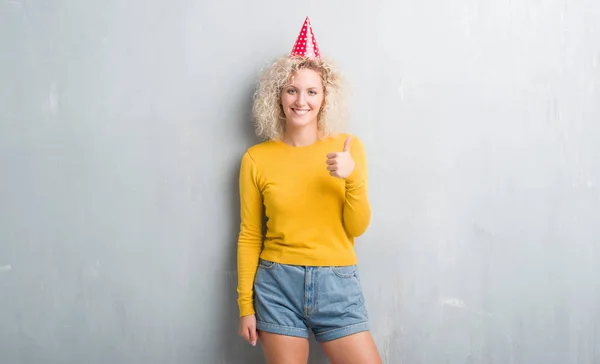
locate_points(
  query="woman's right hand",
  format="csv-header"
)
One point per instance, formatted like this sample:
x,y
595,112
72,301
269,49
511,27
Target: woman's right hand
x,y
247,329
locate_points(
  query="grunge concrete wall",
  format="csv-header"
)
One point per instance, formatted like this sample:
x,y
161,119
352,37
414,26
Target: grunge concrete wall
x,y
121,129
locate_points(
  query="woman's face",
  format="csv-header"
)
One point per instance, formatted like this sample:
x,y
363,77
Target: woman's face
x,y
302,98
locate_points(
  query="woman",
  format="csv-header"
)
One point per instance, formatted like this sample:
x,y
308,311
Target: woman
x,y
310,184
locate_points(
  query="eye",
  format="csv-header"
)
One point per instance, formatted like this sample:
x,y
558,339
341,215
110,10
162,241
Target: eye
x,y
291,91
311,92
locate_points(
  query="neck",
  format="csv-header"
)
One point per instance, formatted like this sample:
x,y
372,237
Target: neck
x,y
300,137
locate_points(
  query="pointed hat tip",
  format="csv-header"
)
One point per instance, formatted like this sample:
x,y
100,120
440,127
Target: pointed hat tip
x,y
306,43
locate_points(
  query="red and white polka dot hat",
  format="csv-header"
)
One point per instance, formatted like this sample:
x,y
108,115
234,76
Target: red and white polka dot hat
x,y
306,44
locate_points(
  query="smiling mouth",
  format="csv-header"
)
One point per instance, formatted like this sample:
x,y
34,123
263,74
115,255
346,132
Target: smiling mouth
x,y
300,112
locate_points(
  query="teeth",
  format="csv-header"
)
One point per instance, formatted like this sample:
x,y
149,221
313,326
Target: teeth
x,y
300,112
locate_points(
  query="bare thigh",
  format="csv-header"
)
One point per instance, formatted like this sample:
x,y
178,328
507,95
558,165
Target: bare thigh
x,y
358,348
281,349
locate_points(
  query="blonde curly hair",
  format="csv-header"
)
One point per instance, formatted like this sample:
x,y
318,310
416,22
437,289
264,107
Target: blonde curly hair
x,y
269,119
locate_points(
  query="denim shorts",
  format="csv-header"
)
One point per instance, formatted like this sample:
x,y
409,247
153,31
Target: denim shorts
x,y
290,300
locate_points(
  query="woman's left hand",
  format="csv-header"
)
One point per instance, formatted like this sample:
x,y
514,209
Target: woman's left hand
x,y
341,164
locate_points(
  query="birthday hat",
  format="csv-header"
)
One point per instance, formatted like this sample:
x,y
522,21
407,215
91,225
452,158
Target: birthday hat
x,y
306,44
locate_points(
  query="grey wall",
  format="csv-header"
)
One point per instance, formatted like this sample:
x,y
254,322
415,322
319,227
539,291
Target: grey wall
x,y
121,128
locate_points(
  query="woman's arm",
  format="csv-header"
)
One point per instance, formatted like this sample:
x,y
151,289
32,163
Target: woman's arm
x,y
357,209
250,236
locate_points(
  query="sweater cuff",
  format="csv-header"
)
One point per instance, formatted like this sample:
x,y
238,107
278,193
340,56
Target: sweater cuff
x,y
355,179
247,310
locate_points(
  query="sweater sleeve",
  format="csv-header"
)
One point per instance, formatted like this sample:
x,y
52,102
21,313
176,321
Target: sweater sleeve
x,y
357,209
250,235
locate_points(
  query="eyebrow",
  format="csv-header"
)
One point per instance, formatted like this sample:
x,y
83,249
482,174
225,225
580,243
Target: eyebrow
x,y
310,88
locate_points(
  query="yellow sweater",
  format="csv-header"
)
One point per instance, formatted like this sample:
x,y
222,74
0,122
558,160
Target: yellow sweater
x,y
312,217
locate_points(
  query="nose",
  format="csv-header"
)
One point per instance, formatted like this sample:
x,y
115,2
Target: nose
x,y
301,100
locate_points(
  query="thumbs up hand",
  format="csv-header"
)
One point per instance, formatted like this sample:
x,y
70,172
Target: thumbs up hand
x,y
341,164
